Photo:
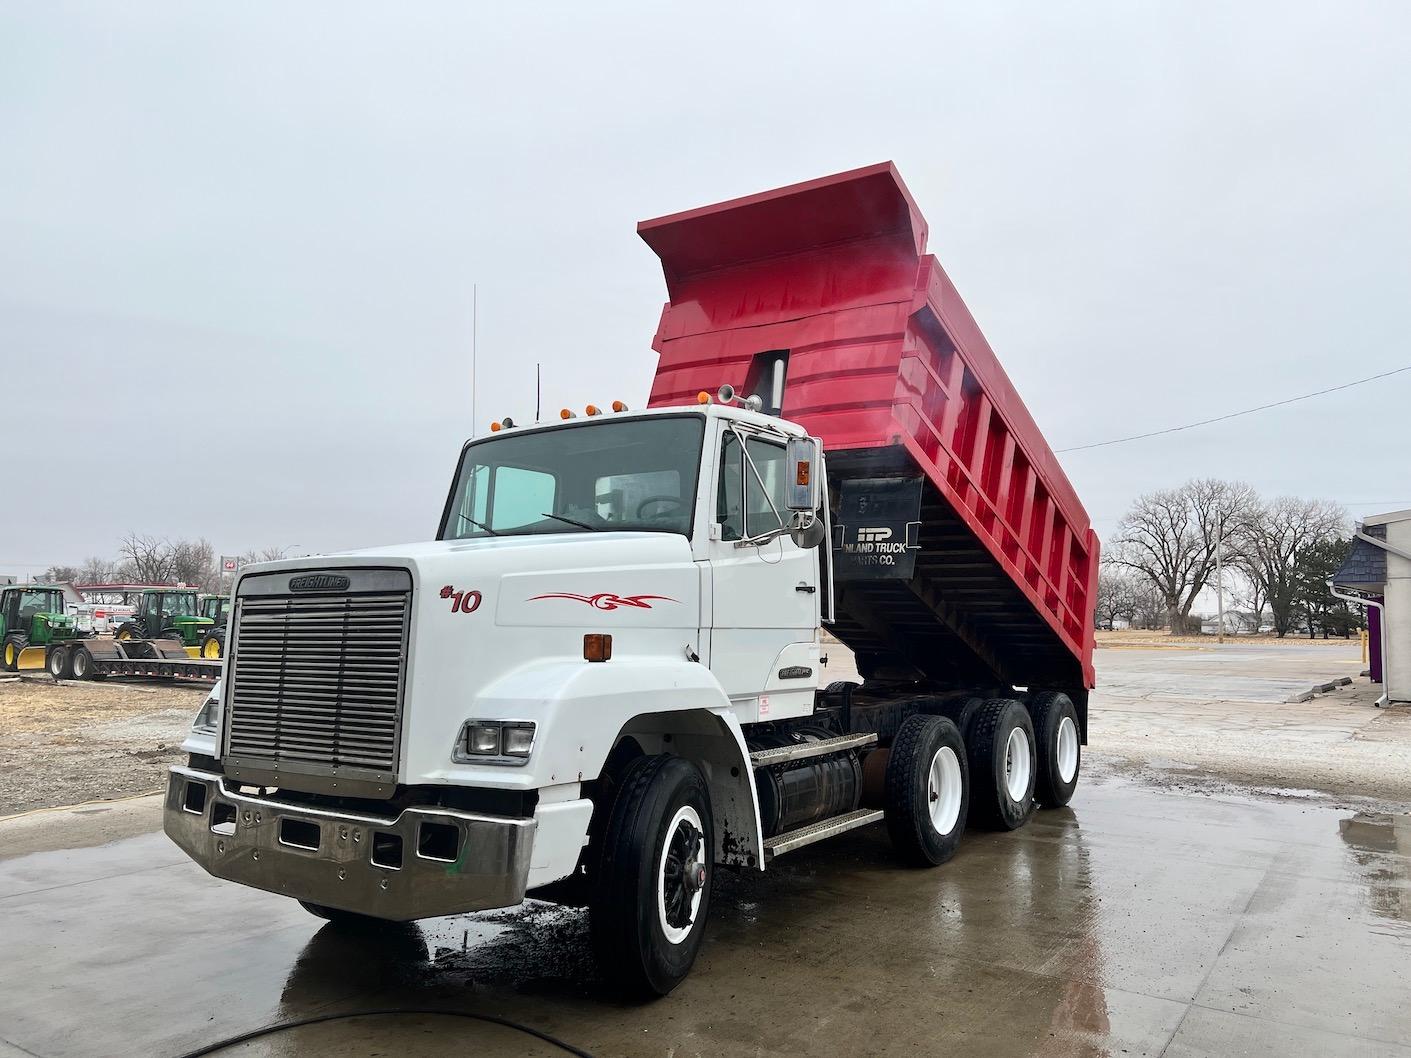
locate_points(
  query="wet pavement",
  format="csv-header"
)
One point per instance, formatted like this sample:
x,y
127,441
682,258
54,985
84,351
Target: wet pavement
x,y
1137,921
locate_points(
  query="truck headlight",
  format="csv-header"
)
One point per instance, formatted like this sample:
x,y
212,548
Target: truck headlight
x,y
495,742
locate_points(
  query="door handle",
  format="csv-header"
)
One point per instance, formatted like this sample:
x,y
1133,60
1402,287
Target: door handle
x,y
808,588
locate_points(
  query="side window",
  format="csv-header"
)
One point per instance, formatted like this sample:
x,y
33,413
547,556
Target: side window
x,y
521,496
764,506
729,509
477,498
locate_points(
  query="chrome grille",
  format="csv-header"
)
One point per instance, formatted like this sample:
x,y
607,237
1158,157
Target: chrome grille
x,y
316,680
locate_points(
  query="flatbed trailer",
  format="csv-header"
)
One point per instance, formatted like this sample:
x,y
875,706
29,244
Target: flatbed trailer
x,y
99,657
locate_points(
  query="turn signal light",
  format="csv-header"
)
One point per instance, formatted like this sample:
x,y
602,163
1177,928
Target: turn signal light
x,y
617,405
593,409
597,646
566,414
495,427
702,397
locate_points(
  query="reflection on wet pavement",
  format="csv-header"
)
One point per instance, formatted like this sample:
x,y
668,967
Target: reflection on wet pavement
x,y
1136,921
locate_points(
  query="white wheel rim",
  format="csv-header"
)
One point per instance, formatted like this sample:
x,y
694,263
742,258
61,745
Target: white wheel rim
x,y
943,790
1017,763
1067,749
80,666
685,817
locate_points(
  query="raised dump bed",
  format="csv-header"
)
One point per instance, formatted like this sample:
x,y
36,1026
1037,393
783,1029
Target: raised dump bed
x,y
963,555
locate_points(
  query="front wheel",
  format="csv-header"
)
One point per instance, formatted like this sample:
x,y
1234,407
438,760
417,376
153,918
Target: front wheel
x,y
349,920
128,631
651,891
211,646
10,653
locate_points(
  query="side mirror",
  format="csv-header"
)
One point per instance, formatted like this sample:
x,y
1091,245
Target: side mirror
x,y
810,534
801,463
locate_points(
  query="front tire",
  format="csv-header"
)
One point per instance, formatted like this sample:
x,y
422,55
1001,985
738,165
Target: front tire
x,y
349,920
651,890
10,652
1056,732
1002,772
212,646
128,631
928,790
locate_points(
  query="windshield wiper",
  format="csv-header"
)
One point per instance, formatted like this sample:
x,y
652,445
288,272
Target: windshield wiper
x,y
571,521
478,525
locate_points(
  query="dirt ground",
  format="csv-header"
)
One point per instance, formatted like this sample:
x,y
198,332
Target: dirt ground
x,y
70,742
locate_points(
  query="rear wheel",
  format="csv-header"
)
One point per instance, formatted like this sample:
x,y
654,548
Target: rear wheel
x,y
651,891
1060,749
83,667
1002,772
60,662
928,790
10,652
211,646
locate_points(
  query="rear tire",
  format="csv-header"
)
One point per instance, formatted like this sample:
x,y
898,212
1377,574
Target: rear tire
x,y
10,652
651,889
1060,747
82,667
59,662
962,711
212,646
928,790
1002,757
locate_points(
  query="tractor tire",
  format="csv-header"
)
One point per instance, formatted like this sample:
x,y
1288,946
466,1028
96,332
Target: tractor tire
x,y
10,652
1002,772
173,634
928,790
1060,747
213,645
651,889
59,662
128,630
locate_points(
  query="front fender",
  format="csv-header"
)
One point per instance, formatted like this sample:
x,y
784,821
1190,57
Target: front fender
x,y
578,708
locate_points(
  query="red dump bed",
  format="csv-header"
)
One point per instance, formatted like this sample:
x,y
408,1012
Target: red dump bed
x,y
883,361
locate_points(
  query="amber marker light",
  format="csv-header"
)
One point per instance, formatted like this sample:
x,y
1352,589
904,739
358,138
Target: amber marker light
x,y
495,427
618,405
597,646
566,414
702,397
593,409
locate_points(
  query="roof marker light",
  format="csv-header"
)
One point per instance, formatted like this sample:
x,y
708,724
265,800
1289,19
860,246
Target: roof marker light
x,y
495,427
702,397
566,414
618,405
593,409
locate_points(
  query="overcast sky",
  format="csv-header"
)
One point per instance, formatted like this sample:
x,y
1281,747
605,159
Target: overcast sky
x,y
238,242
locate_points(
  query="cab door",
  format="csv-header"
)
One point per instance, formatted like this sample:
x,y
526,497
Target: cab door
x,y
764,643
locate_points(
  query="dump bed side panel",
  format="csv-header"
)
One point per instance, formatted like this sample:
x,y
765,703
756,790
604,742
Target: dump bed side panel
x,y
885,364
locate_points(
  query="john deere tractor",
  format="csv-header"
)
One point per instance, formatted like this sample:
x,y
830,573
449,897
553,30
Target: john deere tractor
x,y
217,608
30,619
167,613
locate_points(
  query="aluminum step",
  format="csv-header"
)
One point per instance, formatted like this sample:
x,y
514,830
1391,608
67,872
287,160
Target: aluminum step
x,y
797,839
764,758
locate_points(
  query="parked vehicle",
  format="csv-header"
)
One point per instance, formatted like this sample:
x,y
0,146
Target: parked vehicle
x,y
603,681
166,613
31,617
216,608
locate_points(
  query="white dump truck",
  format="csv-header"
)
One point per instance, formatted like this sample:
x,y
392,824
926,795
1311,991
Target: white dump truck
x,y
606,677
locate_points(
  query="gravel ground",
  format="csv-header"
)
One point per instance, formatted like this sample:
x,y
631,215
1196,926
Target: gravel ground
x,y
71,742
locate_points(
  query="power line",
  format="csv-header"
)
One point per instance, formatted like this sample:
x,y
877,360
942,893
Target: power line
x,y
1235,414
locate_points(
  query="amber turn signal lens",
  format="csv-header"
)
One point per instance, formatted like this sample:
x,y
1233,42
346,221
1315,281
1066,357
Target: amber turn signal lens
x,y
617,405
597,646
565,414
801,476
495,427
702,397
593,409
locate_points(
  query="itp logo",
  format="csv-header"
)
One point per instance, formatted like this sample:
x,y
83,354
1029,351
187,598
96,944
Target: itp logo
x,y
873,536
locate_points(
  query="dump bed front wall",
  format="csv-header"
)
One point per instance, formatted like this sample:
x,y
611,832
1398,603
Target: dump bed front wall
x,y
883,352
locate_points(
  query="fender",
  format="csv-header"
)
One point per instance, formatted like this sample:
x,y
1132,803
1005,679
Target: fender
x,y
583,710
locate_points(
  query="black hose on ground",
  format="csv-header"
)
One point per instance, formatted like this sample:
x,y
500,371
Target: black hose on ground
x,y
281,1026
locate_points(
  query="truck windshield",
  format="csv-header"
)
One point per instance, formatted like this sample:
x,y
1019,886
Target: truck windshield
x,y
179,605
630,474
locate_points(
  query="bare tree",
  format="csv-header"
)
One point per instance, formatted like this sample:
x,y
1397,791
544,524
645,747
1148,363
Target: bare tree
x,y
97,570
194,562
264,554
1274,538
59,575
1169,537
1116,596
146,559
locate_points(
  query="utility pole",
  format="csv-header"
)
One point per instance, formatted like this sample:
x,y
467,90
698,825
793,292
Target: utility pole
x,y
1219,578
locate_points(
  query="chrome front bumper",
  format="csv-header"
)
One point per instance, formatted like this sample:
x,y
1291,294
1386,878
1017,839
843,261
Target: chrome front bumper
x,y
423,863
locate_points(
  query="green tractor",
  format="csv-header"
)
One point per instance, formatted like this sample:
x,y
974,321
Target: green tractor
x,y
30,619
217,608
167,613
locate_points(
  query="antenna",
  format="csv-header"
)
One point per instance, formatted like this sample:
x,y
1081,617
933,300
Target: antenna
x,y
538,388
